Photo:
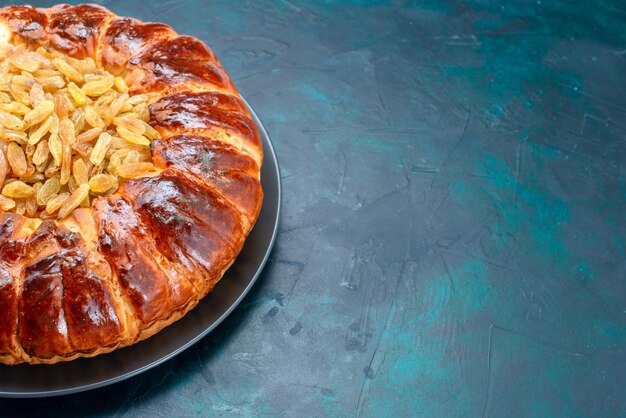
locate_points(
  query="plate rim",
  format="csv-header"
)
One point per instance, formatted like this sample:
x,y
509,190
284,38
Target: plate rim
x,y
188,344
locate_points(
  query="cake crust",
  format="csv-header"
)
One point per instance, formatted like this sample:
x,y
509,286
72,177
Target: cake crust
x,y
138,259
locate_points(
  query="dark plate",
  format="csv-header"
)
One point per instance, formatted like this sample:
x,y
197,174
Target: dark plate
x,y
25,381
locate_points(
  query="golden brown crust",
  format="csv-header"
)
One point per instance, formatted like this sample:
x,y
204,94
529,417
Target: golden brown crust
x,y
27,23
42,328
126,38
232,174
10,251
181,63
138,260
76,30
65,306
131,251
195,225
8,310
216,115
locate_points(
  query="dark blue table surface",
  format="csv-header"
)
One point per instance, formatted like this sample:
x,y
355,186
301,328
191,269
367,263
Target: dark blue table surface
x,y
453,238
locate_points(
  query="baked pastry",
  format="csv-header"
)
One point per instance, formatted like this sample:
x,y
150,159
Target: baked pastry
x,y
129,172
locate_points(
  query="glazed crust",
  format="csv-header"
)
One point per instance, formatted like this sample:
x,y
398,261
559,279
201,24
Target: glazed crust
x,y
139,259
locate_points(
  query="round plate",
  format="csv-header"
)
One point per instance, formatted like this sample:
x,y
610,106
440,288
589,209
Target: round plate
x,y
26,381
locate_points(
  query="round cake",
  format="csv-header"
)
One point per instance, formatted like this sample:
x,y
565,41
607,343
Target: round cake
x,y
129,178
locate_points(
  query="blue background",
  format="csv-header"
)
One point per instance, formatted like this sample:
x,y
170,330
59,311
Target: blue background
x,y
453,238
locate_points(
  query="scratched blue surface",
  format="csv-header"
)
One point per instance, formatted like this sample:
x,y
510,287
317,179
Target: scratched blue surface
x,y
453,239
